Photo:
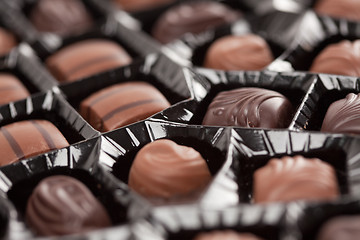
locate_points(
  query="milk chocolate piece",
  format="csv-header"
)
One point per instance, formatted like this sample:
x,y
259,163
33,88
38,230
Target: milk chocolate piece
x,y
164,169
138,5
343,116
341,58
122,104
247,52
7,41
61,205
191,17
85,58
11,89
63,17
249,107
25,139
225,235
349,9
342,227
295,178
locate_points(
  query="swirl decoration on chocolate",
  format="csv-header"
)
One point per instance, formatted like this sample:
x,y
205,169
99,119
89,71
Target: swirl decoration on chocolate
x,y
342,227
61,205
164,169
342,58
248,52
137,5
192,17
343,116
349,9
295,178
7,41
226,235
249,107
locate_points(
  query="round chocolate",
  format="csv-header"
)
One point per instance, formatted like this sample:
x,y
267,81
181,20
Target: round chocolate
x,y
138,5
295,178
342,227
63,17
349,9
85,58
191,17
122,104
341,58
249,107
247,52
17,140
225,235
11,89
61,205
343,116
164,169
7,41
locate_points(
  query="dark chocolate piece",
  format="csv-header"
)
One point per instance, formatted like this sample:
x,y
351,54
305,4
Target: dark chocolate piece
x,y
122,104
164,169
225,235
349,9
249,107
295,178
343,116
341,58
7,41
342,227
25,139
191,17
85,58
61,205
247,52
138,5
11,89
63,17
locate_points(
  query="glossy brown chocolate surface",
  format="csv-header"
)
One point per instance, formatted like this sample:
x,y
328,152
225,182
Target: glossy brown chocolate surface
x,y
349,9
225,235
7,41
85,58
24,139
249,107
247,52
342,58
191,17
61,205
138,5
63,17
343,116
11,89
342,227
122,104
295,178
164,169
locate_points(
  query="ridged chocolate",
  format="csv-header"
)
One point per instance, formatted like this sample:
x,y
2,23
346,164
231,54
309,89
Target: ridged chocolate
x,y
86,58
7,41
249,107
226,235
343,116
349,9
122,104
191,17
164,169
295,178
342,58
342,227
61,205
24,139
63,17
11,89
247,52
138,5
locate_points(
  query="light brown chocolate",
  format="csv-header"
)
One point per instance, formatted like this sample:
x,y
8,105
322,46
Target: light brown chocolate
x,y
11,89
226,235
349,9
138,5
7,41
341,227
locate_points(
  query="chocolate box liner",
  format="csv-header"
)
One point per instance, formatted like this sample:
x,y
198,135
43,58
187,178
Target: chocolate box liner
x,y
81,162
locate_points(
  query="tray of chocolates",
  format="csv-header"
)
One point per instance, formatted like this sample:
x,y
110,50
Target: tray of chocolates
x,y
179,119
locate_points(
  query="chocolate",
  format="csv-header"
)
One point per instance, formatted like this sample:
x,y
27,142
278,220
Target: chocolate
x,y
349,9
138,5
122,104
249,107
25,139
7,41
85,58
11,89
63,17
343,116
295,178
61,205
342,227
247,52
164,169
191,17
342,58
225,235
